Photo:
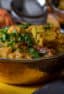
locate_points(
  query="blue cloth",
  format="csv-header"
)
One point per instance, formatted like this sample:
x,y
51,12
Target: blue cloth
x,y
52,88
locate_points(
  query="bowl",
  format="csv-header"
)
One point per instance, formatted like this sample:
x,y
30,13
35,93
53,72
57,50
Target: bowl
x,y
29,71
13,71
58,12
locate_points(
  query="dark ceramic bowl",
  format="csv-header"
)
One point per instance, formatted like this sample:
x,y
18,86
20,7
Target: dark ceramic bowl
x,y
29,71
24,71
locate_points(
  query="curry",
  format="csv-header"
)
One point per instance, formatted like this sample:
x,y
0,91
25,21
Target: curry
x,y
28,41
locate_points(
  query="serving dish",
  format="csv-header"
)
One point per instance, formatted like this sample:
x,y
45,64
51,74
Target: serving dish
x,y
30,11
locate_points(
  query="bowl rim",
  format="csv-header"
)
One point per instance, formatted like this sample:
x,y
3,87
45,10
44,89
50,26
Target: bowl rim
x,y
31,60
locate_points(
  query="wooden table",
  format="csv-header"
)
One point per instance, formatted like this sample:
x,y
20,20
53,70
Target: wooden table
x,y
7,89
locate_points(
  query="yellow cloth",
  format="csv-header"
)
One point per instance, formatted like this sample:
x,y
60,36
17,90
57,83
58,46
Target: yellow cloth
x,y
8,89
